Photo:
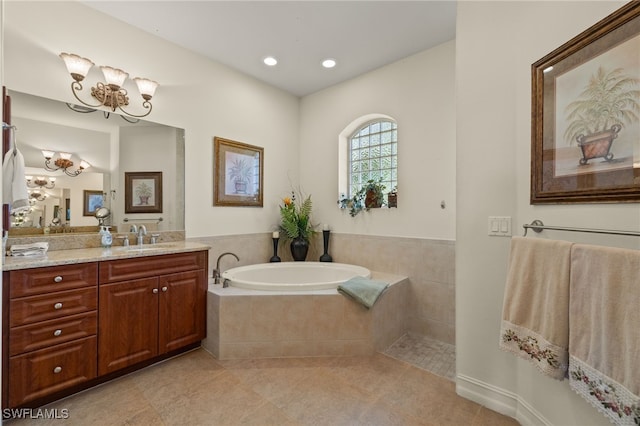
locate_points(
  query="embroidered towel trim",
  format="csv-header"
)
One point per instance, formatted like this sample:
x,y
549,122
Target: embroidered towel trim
x,y
535,314
604,336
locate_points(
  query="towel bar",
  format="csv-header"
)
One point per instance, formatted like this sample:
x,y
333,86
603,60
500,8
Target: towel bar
x,y
538,226
144,219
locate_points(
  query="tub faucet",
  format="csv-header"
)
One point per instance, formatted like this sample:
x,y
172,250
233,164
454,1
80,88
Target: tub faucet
x,y
142,231
216,272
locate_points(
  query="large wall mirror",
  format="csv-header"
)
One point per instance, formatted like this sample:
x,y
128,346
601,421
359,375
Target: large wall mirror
x,y
113,147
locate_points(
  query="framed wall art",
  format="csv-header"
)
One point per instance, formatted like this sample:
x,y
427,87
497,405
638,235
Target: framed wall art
x,y
586,115
237,173
143,192
93,200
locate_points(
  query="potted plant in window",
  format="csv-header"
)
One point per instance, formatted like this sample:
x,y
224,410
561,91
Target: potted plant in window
x,y
608,102
392,197
240,173
371,195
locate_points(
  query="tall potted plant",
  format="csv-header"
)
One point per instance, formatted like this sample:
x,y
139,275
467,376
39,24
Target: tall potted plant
x,y
296,225
608,102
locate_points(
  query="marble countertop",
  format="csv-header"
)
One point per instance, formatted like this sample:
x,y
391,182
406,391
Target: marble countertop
x,y
84,255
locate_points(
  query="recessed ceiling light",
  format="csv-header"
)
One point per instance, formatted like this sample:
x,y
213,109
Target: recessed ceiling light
x,y
270,61
329,63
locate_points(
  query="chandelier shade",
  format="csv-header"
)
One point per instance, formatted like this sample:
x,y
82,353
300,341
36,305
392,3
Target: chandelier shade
x,y
110,93
63,163
40,182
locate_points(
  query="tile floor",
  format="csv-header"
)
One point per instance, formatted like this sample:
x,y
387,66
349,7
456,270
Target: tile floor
x,y
426,353
197,389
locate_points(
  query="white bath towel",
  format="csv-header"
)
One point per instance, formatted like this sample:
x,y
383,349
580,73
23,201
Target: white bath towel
x,y
604,332
14,184
33,249
535,314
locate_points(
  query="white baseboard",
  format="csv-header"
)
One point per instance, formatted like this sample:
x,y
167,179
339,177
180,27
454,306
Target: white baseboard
x,y
500,400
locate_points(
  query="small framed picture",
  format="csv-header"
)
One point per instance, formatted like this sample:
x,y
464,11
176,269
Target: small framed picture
x,y
93,200
143,192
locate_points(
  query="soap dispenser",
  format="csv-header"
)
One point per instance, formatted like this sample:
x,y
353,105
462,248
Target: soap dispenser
x,y
107,238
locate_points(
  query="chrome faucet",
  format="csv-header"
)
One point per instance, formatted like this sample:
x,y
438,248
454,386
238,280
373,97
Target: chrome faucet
x,y
142,231
216,272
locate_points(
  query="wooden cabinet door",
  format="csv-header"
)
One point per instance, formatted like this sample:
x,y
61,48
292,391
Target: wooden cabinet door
x,y
182,309
127,323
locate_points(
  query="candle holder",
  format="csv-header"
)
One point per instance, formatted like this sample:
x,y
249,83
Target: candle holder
x,y
325,257
275,257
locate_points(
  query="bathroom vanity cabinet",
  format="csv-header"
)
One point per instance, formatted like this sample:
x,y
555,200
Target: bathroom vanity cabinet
x,y
69,327
53,324
155,307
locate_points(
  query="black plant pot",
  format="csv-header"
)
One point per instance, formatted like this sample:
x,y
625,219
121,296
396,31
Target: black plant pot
x,y
299,249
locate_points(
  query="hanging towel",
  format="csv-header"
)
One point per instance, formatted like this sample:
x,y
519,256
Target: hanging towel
x,y
14,184
363,290
604,333
535,313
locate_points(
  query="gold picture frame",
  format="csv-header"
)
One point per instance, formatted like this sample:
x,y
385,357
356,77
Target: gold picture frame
x,y
584,149
238,170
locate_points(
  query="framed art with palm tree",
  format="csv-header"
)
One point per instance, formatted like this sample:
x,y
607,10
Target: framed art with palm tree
x,y
586,115
237,173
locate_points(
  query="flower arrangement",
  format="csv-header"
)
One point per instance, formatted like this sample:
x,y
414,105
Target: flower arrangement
x,y
296,219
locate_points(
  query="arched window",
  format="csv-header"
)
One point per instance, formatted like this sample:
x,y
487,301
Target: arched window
x,y
373,155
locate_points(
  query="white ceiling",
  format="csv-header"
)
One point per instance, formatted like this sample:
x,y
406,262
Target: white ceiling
x,y
359,35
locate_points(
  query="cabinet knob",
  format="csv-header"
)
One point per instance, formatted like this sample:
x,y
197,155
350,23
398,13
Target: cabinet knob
x,y
58,279
155,291
57,332
164,288
57,370
57,306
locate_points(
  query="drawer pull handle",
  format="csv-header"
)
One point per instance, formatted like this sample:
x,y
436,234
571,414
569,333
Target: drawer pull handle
x,y
164,288
57,306
57,370
155,291
57,333
58,279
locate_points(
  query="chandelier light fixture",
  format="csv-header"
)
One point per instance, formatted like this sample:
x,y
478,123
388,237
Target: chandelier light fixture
x,y
37,195
109,94
63,163
41,182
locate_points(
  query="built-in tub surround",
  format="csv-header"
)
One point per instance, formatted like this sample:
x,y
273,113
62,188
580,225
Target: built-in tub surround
x,y
244,323
429,265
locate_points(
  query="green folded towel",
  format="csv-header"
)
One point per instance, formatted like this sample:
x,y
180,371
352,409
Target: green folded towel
x,y
363,290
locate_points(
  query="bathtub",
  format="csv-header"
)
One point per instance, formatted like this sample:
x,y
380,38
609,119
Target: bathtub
x,y
293,276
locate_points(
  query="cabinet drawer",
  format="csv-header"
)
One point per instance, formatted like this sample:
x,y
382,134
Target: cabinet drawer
x,y
48,333
151,266
37,374
32,309
29,282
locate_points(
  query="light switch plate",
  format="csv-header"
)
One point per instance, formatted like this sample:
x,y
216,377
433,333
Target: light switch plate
x,y
499,226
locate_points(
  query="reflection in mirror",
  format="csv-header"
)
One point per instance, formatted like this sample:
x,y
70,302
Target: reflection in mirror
x,y
112,147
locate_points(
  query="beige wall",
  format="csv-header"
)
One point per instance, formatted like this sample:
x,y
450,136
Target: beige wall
x,y
496,44
418,92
